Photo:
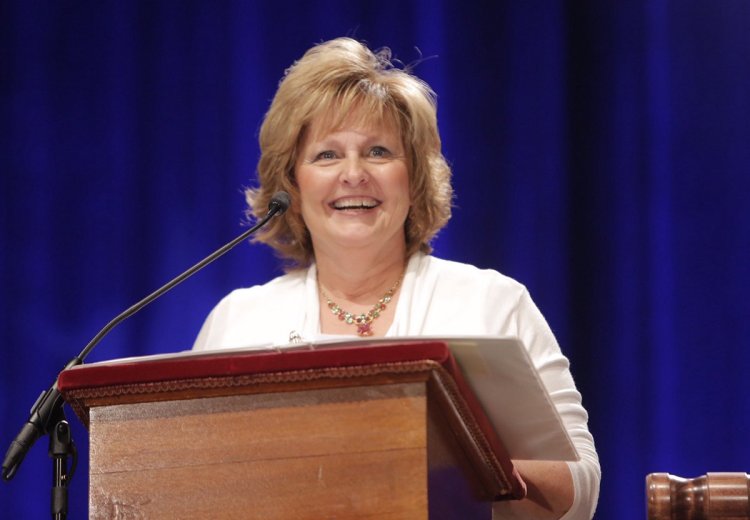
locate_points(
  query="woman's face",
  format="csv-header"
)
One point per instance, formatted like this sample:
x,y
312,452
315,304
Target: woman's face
x,y
354,186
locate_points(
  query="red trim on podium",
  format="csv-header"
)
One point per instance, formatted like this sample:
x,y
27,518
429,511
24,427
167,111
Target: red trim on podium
x,y
143,370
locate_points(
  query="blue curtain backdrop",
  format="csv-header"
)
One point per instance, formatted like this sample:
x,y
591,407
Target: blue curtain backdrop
x,y
601,153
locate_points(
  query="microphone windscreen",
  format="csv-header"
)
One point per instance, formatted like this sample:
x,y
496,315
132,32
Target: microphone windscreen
x,y
281,201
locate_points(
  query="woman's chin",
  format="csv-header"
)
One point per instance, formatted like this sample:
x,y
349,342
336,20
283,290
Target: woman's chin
x,y
359,239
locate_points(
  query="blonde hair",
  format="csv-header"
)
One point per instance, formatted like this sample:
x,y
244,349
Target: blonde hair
x,y
334,80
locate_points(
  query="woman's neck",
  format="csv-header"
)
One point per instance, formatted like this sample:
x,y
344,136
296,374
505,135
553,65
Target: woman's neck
x,y
359,277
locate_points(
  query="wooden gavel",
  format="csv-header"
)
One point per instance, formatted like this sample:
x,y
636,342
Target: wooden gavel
x,y
724,496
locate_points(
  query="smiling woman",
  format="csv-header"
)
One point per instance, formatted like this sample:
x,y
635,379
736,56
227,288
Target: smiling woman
x,y
354,141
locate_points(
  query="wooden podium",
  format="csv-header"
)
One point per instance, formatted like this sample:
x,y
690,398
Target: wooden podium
x,y
386,432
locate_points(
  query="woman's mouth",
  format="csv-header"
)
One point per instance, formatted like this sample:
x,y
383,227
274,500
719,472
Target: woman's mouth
x,y
355,203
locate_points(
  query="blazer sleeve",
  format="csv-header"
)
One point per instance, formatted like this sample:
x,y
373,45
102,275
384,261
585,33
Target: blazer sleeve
x,y
554,370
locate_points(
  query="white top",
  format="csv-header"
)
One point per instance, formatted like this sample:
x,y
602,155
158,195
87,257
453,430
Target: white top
x,y
438,297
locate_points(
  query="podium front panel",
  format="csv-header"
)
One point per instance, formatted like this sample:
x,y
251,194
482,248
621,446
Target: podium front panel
x,y
352,452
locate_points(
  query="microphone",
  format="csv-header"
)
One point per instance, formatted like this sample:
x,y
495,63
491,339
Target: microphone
x,y
279,202
47,409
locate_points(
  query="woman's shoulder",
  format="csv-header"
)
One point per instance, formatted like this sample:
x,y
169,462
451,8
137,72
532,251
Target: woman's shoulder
x,y
451,272
252,315
281,287
277,294
450,297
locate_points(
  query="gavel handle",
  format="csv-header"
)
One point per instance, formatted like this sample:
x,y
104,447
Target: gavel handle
x,y
709,497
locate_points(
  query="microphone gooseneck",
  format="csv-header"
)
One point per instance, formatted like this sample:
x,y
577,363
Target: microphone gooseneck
x,y
47,408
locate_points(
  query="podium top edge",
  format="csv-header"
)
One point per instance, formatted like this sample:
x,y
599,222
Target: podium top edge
x,y
236,362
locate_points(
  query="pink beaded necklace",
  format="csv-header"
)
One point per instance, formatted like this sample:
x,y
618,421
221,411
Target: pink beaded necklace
x,y
362,321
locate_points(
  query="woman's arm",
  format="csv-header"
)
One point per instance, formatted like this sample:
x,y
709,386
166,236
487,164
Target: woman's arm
x,y
550,492
560,486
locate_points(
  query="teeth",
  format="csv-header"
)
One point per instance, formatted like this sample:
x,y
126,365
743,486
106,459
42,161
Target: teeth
x,y
357,203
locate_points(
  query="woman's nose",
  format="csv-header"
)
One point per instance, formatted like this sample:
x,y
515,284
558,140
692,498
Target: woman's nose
x,y
354,171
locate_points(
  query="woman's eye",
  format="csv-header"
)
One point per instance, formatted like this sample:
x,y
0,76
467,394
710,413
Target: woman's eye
x,y
326,155
379,152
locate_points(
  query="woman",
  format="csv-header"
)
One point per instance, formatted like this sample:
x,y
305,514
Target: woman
x,y
354,141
